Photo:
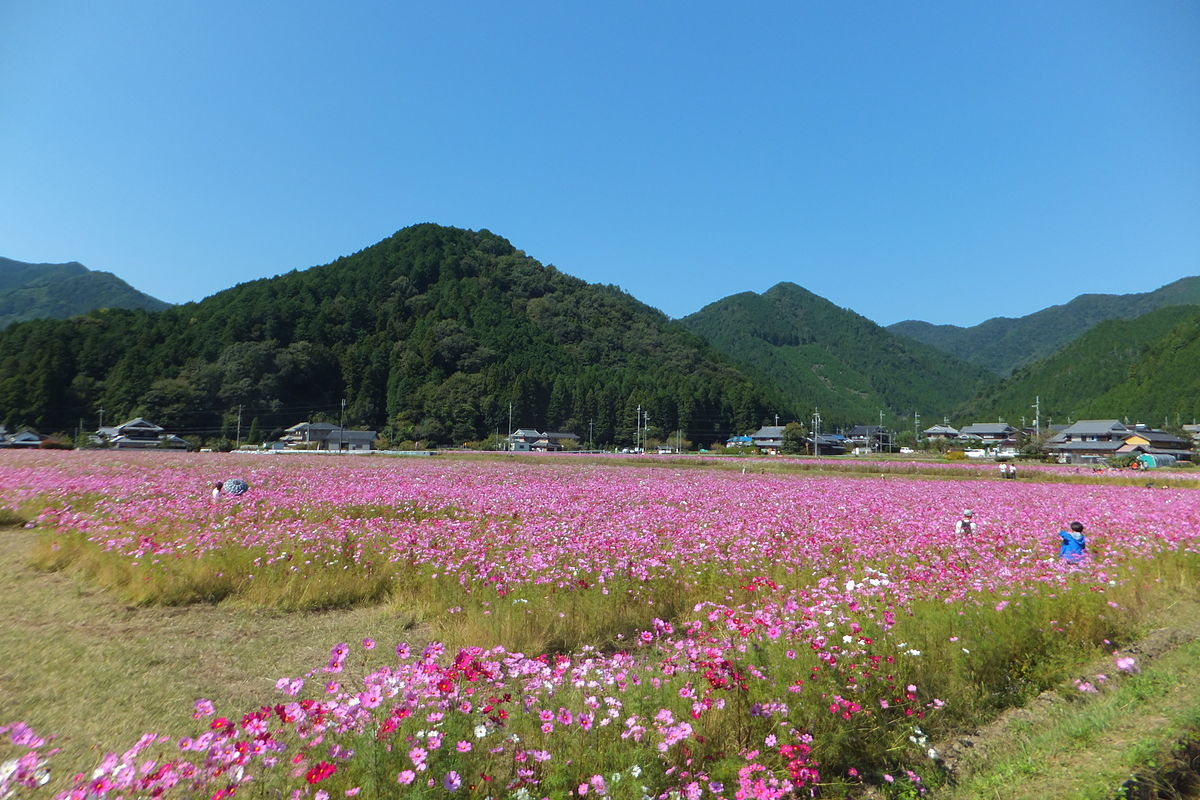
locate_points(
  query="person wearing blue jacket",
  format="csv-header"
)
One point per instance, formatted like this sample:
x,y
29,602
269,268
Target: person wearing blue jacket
x,y
1073,543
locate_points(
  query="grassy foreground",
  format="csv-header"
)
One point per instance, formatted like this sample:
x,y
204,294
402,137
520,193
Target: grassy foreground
x,y
143,666
817,652
1137,737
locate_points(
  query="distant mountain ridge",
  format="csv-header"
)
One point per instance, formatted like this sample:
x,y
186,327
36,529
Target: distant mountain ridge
x,y
57,291
1138,368
1003,344
819,355
435,334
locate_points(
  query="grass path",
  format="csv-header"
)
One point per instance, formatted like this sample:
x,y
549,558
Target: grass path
x,y
81,664
1072,745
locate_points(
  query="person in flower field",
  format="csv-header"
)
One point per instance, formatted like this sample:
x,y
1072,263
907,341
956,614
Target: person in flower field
x,y
966,525
1074,545
232,486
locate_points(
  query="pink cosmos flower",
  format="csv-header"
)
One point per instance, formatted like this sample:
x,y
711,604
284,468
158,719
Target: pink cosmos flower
x,y
1127,664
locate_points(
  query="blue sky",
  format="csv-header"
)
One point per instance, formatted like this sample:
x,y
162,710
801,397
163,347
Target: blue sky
x,y
941,161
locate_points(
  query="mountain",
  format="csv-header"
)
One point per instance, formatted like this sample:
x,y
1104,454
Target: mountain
x,y
58,291
1164,383
1002,344
1136,368
819,355
428,335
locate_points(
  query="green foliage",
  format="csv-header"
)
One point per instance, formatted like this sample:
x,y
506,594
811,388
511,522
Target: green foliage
x,y
1003,344
794,438
428,335
57,291
827,357
1143,368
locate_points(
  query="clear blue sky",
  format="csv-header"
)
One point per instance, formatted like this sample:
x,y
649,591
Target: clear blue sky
x,y
945,161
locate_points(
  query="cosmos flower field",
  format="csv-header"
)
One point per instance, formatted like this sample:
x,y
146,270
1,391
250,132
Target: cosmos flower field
x,y
590,628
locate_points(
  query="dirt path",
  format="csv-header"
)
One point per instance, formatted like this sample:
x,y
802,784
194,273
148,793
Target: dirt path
x,y
83,665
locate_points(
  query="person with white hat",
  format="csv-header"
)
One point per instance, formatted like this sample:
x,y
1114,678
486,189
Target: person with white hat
x,y
966,525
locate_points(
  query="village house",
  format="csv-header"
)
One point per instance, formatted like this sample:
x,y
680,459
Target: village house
x,y
768,439
327,436
870,437
21,439
529,440
1088,440
138,434
1145,439
1092,440
828,444
940,432
991,433
1193,430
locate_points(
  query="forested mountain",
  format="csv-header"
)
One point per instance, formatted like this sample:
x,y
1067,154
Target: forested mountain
x,y
429,335
57,291
820,355
1142,369
1002,344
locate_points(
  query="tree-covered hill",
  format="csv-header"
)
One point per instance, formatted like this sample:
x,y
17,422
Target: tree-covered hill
x,y
1002,344
1163,385
58,291
429,335
819,355
1143,369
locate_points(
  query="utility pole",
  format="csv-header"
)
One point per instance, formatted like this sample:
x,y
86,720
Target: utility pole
x,y
637,429
101,417
916,429
510,422
1037,414
776,420
591,425
238,446
645,429
879,433
816,431
341,426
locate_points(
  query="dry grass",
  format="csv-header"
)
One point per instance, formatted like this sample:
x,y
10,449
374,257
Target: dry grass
x,y
82,664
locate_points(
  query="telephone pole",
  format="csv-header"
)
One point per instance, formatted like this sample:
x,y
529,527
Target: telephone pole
x,y
238,446
341,425
637,428
816,432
